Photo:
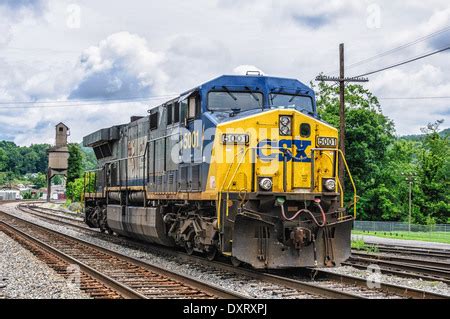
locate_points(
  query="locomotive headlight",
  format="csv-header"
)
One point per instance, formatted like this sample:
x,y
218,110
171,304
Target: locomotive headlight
x,y
285,125
330,184
265,184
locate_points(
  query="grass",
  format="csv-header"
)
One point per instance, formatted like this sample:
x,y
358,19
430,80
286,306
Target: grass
x,y
359,244
437,237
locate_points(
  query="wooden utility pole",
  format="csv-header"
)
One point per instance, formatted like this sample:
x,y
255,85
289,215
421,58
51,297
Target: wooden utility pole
x,y
341,112
341,80
410,178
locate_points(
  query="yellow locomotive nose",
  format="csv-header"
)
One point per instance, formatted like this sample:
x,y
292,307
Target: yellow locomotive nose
x,y
273,152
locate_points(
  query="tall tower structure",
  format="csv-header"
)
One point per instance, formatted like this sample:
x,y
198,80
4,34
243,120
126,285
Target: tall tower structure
x,y
58,156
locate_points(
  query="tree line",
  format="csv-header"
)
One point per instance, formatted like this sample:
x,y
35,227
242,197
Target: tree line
x,y
28,164
380,161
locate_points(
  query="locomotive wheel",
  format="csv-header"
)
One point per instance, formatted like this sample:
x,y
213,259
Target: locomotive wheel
x,y
189,247
235,262
211,254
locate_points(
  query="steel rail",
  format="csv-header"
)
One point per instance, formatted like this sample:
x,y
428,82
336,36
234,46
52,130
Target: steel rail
x,y
425,252
270,278
400,271
54,218
295,284
404,291
186,280
432,264
42,210
124,291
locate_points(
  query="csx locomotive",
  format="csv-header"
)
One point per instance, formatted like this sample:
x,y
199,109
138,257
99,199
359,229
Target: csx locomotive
x,y
239,166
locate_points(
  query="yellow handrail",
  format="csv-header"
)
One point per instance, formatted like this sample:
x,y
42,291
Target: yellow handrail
x,y
351,180
223,184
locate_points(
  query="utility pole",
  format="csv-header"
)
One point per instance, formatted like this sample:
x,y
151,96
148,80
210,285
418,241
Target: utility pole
x,y
341,80
410,178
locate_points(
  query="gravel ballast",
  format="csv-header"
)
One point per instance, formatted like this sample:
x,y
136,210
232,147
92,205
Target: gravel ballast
x,y
23,276
245,286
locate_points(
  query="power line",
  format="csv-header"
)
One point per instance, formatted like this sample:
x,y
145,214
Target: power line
x,y
414,98
401,47
405,62
426,37
68,104
111,100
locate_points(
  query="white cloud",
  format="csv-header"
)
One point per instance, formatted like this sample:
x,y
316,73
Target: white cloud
x,y
410,115
173,46
16,11
121,66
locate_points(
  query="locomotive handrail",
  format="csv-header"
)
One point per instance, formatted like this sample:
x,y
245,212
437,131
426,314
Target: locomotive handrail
x,y
351,180
227,190
339,152
222,188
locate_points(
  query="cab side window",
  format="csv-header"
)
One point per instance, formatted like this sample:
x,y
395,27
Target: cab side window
x,y
169,114
184,110
189,108
192,107
176,112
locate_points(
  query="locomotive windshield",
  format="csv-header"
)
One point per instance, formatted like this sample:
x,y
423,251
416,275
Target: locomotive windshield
x,y
299,102
240,101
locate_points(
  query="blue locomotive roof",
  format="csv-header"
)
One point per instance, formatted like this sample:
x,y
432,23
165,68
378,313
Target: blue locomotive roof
x,y
267,84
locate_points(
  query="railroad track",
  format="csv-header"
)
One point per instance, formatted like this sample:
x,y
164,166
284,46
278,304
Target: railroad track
x,y
401,270
426,262
105,273
292,283
418,267
56,212
414,251
279,286
337,281
61,219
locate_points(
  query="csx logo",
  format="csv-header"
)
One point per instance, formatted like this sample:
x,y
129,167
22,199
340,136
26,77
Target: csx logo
x,y
300,145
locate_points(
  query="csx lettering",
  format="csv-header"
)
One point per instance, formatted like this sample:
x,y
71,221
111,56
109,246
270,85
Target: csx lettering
x,y
300,145
247,308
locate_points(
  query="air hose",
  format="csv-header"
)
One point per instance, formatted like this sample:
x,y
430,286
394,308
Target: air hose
x,y
304,210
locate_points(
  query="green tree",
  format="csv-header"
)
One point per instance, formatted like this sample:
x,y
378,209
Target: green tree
x,y
74,189
89,159
3,160
75,162
433,200
39,180
368,136
57,180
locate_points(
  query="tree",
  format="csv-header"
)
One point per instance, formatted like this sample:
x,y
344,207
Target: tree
x,y
74,189
368,136
433,199
57,180
75,162
39,180
89,159
3,160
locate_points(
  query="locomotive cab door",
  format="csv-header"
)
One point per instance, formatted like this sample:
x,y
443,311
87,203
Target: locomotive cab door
x,y
191,154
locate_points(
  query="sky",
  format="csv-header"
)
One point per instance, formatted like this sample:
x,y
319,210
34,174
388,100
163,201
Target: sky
x,y
80,52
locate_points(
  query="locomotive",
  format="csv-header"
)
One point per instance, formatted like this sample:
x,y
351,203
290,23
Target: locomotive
x,y
239,166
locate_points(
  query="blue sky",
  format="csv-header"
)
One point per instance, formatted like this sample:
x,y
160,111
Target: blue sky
x,y
65,50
